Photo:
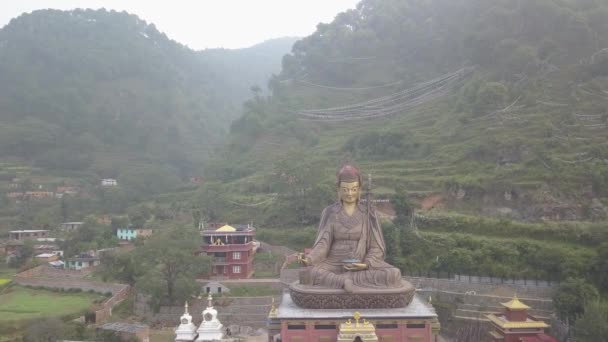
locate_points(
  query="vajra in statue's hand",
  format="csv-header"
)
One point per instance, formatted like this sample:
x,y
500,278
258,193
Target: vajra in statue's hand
x,y
355,266
303,259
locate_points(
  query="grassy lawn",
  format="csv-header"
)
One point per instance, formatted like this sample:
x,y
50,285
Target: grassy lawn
x,y
19,303
251,291
161,335
6,272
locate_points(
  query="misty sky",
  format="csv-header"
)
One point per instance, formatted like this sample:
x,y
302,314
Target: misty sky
x,y
204,24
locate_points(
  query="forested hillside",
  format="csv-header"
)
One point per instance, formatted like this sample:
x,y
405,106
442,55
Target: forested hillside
x,y
92,94
486,107
89,90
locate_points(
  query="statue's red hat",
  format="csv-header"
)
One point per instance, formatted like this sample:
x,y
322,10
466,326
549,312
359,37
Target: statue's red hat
x,y
348,173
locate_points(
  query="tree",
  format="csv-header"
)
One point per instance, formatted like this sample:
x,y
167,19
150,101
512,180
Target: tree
x,y
196,217
393,245
45,330
571,298
403,209
490,96
592,326
64,209
600,266
170,264
119,267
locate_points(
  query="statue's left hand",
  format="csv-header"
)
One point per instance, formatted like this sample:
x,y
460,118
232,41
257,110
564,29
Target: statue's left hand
x,y
355,267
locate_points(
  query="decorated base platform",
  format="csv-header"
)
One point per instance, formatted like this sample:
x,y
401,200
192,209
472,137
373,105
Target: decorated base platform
x,y
324,298
415,322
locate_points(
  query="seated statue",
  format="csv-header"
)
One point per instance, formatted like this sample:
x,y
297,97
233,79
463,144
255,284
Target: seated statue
x,y
349,250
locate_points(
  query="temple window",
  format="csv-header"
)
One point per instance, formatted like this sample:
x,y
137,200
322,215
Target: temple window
x,y
236,255
296,327
416,326
325,327
387,326
236,269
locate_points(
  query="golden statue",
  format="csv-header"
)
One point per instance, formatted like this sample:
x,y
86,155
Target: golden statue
x,y
349,250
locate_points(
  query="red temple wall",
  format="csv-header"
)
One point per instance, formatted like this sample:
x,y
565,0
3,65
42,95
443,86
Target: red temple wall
x,y
400,334
516,316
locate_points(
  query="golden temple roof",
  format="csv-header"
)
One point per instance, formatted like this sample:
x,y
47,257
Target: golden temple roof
x,y
226,228
515,304
504,324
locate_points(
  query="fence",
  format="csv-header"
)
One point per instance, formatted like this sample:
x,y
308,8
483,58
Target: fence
x,y
484,279
105,311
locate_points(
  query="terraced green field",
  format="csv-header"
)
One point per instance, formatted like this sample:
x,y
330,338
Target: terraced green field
x,y
19,303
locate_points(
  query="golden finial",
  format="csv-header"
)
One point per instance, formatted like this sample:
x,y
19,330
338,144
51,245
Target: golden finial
x,y
357,316
273,309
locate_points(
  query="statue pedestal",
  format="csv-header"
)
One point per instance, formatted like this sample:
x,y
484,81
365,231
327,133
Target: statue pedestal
x,y
415,322
315,297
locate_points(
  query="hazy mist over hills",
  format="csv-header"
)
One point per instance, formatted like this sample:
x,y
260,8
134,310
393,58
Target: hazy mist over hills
x,y
86,90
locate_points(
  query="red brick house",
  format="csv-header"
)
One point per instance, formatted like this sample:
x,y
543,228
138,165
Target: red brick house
x,y
232,248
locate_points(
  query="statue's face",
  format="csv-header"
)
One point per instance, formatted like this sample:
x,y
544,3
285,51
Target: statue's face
x,y
349,192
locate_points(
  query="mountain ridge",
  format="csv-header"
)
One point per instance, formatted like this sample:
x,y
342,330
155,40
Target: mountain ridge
x,y
521,137
126,85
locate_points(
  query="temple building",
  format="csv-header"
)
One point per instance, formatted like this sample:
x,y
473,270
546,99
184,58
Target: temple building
x,y
232,249
514,324
416,322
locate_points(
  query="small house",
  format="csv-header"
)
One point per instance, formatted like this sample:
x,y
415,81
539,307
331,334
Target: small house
x,y
70,226
28,234
128,234
109,182
81,262
38,195
46,257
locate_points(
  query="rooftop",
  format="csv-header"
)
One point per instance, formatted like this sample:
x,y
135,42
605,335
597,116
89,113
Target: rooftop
x,y
125,327
237,228
46,255
83,258
29,231
416,309
529,323
515,304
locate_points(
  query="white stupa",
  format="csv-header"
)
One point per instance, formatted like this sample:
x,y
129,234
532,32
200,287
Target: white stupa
x,y
210,329
186,331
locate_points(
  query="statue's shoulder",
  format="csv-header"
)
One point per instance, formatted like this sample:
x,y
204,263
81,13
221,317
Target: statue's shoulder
x,y
332,209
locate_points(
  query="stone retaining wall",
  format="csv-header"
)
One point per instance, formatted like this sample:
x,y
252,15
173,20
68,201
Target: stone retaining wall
x,y
463,286
66,284
246,311
46,271
105,311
